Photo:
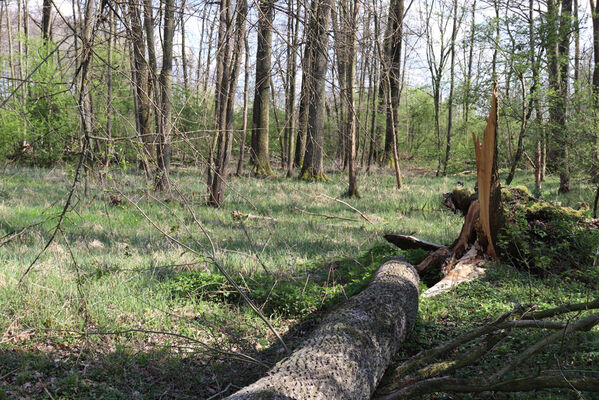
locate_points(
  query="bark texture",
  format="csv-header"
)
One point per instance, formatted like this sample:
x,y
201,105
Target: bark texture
x,y
348,353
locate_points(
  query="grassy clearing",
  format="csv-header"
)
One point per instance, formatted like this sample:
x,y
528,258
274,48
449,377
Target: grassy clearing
x,y
111,272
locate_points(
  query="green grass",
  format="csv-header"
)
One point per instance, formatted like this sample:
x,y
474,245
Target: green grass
x,y
110,270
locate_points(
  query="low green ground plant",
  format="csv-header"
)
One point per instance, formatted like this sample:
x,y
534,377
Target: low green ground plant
x,y
114,309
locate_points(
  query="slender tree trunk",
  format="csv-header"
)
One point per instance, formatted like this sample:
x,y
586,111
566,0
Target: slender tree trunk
x,y
108,151
280,130
141,89
373,131
392,70
302,120
350,21
11,61
163,147
22,37
246,93
525,113
183,50
454,33
437,106
468,89
340,31
595,82
233,51
200,53
85,102
46,15
312,168
209,54
259,154
153,90
558,51
222,60
291,87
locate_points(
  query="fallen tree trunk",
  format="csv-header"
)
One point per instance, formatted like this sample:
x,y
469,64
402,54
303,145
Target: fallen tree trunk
x,y
346,356
411,242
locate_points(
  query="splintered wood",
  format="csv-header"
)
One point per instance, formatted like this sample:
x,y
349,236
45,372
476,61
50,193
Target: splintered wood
x,y
486,170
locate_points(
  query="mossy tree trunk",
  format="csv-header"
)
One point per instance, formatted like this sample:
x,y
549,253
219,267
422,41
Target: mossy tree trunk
x,y
346,356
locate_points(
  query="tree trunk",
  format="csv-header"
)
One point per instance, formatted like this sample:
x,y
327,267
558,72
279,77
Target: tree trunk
x,y
393,81
231,60
46,14
565,31
291,85
153,92
454,33
346,356
595,90
259,155
558,50
108,151
468,89
163,147
85,101
244,126
302,120
183,50
312,168
140,74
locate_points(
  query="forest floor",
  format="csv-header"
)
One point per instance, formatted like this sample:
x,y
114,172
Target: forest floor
x,y
126,302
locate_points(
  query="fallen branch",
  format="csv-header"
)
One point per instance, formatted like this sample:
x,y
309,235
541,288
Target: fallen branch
x,y
447,384
238,215
325,215
428,378
411,242
347,205
563,309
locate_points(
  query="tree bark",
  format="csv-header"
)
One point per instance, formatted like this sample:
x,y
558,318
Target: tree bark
x,y
46,14
312,168
454,33
163,147
141,89
244,126
595,90
183,50
85,100
348,353
393,56
232,46
290,129
259,155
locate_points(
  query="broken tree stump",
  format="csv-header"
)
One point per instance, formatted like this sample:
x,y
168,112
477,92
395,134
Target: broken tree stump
x,y
489,186
346,356
477,241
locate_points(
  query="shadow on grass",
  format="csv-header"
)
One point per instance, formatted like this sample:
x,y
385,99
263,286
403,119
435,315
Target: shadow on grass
x,y
120,374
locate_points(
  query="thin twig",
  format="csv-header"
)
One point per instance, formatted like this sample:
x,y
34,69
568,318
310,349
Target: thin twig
x,y
326,216
220,268
347,205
